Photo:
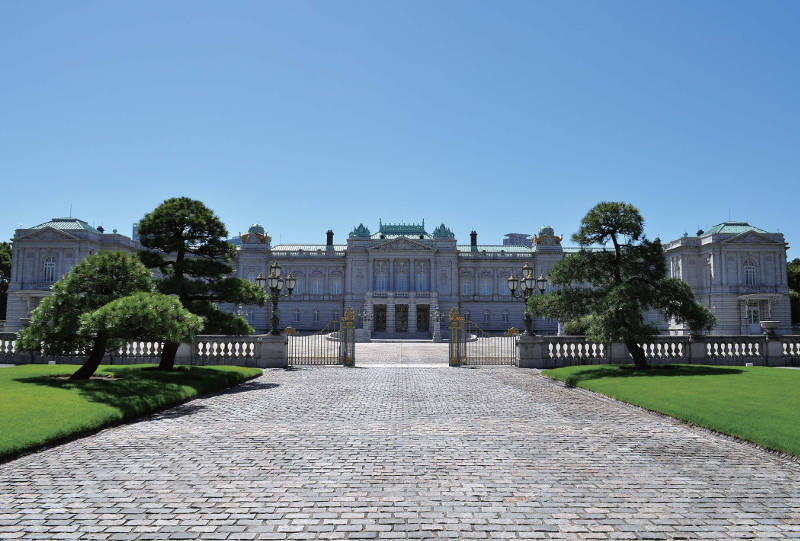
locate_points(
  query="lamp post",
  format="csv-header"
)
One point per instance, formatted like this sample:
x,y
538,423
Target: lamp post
x,y
529,284
273,284
365,316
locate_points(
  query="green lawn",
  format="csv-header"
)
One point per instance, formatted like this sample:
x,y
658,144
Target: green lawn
x,y
38,405
759,404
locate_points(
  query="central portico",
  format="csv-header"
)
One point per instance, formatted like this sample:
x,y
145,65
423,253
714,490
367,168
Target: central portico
x,y
403,290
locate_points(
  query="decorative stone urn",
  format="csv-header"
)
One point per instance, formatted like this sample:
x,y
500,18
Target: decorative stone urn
x,y
769,327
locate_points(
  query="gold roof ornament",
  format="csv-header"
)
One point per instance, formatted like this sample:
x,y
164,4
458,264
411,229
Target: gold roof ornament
x,y
547,237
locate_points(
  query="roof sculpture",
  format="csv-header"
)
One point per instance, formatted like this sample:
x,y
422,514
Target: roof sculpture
x,y
360,231
443,232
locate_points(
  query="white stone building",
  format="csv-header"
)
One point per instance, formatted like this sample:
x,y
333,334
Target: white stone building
x,y
402,276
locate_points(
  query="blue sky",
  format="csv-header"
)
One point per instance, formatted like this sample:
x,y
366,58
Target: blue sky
x,y
498,116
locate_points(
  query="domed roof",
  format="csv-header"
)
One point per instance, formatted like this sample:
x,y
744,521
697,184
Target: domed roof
x,y
546,230
256,228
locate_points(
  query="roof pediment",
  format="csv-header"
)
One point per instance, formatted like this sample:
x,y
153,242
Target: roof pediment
x,y
47,233
401,244
751,237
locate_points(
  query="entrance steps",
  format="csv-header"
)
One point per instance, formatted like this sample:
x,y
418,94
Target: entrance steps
x,y
401,337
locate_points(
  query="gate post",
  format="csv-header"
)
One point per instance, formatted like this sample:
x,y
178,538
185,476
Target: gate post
x,y
347,338
456,337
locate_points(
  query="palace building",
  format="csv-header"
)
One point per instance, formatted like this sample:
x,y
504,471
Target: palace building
x,y
402,279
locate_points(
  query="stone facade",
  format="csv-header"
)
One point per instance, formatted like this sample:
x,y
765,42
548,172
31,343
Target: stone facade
x,y
402,276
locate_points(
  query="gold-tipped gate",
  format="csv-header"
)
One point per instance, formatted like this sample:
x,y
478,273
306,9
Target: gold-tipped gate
x,y
471,345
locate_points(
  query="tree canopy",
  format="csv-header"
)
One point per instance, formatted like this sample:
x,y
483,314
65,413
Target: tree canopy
x,y
793,273
5,275
607,291
91,284
185,241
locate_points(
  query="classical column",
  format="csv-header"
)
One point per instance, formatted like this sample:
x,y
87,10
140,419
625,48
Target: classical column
x,y
370,322
390,285
412,315
437,334
390,313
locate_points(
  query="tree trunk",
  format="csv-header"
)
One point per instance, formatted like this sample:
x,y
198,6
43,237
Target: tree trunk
x,y
168,356
637,353
95,358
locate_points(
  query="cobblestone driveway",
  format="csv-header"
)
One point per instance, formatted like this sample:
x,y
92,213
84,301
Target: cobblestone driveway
x,y
383,452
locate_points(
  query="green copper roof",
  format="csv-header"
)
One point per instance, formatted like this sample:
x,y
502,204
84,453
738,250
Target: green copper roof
x,y
410,230
733,228
360,231
67,224
443,232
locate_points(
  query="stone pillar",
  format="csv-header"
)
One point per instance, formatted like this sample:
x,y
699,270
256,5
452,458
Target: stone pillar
x,y
412,315
618,353
773,351
697,350
390,314
370,323
437,329
272,351
531,352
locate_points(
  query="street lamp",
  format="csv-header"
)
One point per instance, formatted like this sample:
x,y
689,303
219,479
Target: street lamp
x,y
529,284
273,285
365,316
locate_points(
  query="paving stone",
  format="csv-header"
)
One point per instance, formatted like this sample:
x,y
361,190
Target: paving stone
x,y
414,450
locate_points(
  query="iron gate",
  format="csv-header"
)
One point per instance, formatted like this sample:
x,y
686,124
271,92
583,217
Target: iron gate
x,y
335,344
471,345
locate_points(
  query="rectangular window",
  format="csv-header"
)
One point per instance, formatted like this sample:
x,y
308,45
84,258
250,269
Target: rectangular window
x,y
336,287
753,316
466,287
750,275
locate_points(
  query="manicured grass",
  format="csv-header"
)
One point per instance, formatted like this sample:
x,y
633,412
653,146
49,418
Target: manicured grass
x,y
38,405
759,404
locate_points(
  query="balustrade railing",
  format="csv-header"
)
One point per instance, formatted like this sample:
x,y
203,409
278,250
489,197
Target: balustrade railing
x,y
790,350
728,349
666,348
575,350
223,349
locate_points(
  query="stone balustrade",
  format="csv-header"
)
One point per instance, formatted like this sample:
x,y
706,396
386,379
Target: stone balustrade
x,y
555,351
263,351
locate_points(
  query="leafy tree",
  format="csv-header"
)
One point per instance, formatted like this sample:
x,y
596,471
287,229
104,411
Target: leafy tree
x,y
91,284
5,275
793,273
142,316
616,287
186,242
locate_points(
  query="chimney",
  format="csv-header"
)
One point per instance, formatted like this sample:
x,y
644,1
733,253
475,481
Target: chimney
x,y
473,241
329,238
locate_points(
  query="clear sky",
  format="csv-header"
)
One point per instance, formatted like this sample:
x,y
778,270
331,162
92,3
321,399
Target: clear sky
x,y
498,116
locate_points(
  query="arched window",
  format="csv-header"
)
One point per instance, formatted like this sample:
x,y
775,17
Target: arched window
x,y
486,286
316,315
466,286
750,273
505,316
316,285
486,316
296,315
50,269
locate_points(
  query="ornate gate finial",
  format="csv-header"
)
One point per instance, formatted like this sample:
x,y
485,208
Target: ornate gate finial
x,y
455,315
